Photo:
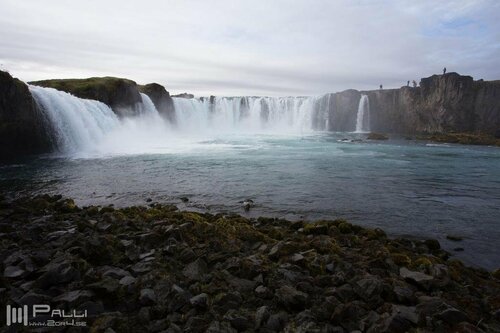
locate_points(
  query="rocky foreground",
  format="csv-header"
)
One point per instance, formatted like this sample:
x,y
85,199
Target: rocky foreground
x,y
157,269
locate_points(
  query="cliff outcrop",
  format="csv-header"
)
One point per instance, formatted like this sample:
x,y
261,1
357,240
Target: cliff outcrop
x,y
122,95
441,104
161,99
22,128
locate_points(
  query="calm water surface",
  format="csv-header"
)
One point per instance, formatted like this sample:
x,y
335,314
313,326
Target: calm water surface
x,y
404,187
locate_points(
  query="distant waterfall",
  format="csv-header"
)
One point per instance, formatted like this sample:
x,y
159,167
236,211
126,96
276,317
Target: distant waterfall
x,y
76,123
285,115
363,117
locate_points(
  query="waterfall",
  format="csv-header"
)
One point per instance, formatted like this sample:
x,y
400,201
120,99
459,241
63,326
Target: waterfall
x,y
284,115
363,117
76,123
88,128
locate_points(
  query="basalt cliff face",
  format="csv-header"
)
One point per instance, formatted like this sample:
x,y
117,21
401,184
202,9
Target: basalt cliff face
x,y
161,99
23,130
442,103
121,95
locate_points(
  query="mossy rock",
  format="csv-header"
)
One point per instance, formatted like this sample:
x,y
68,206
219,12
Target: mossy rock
x,y
496,273
432,244
107,209
345,227
422,262
401,259
373,234
316,228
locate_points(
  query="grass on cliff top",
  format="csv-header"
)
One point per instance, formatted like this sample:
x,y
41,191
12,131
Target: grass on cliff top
x,y
82,85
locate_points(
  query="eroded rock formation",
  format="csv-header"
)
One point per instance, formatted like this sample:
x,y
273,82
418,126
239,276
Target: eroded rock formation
x,y
22,129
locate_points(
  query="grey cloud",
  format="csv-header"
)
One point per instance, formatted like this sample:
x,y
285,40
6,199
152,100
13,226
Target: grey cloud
x,y
250,47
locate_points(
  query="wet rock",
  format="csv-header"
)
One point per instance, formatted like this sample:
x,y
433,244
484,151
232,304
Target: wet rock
x,y
263,292
196,270
32,297
432,244
220,327
369,289
57,272
291,298
127,281
277,321
404,294
196,324
237,320
147,297
13,272
420,279
75,297
349,315
452,315
200,301
107,286
345,293
115,273
261,316
454,238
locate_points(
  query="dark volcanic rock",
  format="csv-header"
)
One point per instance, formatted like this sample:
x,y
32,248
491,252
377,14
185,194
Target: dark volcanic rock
x,y
222,276
161,99
121,95
184,95
23,129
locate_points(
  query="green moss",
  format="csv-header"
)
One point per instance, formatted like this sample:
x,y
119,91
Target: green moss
x,y
401,259
345,227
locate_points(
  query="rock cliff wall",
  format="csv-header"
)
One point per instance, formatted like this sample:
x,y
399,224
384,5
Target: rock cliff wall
x,y
161,99
23,130
121,95
442,103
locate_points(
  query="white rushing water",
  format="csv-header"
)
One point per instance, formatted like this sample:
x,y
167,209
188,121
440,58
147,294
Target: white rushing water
x,y
88,128
277,115
363,117
77,124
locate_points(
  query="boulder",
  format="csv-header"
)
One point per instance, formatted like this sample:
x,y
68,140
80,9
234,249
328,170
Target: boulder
x,y
291,298
422,280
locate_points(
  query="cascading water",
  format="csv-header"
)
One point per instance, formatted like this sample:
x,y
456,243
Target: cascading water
x,y
87,128
363,117
76,123
283,115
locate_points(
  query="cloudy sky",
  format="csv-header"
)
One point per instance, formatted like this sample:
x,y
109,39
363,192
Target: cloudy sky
x,y
257,47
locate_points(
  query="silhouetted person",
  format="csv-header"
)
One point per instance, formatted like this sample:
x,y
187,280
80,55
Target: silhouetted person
x,y
381,87
408,83
414,84
444,71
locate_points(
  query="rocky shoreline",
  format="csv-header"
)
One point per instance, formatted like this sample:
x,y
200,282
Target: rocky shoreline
x,y
158,269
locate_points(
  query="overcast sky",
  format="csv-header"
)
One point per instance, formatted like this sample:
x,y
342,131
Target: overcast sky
x,y
251,47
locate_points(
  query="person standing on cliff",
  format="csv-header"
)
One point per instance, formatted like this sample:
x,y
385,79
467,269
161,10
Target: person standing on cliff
x,y
381,87
444,71
408,83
